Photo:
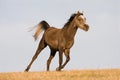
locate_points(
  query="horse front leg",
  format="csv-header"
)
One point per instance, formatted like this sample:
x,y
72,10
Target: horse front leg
x,y
67,55
60,60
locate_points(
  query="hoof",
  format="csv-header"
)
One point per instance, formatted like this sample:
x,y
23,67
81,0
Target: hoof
x,y
58,69
26,70
47,70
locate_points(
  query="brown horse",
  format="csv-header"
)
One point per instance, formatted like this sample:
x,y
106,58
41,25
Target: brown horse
x,y
59,39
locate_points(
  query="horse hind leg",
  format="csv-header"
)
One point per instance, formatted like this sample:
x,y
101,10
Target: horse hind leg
x,y
41,46
52,54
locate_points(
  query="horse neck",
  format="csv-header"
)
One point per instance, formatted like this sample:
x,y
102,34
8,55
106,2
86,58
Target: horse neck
x,y
70,31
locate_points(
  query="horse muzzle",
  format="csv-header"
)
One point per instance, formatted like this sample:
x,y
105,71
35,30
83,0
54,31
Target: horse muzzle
x,y
86,27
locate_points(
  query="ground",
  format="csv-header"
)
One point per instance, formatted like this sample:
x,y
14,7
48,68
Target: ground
x,y
102,74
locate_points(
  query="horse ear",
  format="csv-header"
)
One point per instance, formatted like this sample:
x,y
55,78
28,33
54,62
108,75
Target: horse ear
x,y
78,13
82,12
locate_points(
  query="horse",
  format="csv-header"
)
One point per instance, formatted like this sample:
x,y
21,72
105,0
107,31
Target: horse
x,y
60,40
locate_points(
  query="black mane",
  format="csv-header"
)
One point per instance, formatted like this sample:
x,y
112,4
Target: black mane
x,y
69,20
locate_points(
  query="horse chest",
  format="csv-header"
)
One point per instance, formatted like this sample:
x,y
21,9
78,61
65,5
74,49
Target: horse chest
x,y
65,44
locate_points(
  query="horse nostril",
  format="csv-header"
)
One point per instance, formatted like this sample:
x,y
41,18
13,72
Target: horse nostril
x,y
86,27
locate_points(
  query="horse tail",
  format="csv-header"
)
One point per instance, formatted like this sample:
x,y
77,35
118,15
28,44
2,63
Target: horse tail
x,y
43,25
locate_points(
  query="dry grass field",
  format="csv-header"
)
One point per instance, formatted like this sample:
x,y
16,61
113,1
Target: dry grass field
x,y
105,74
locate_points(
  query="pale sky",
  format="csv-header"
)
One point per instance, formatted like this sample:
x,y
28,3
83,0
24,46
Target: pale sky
x,y
98,48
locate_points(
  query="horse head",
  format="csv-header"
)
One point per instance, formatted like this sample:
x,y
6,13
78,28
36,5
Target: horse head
x,y
80,21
